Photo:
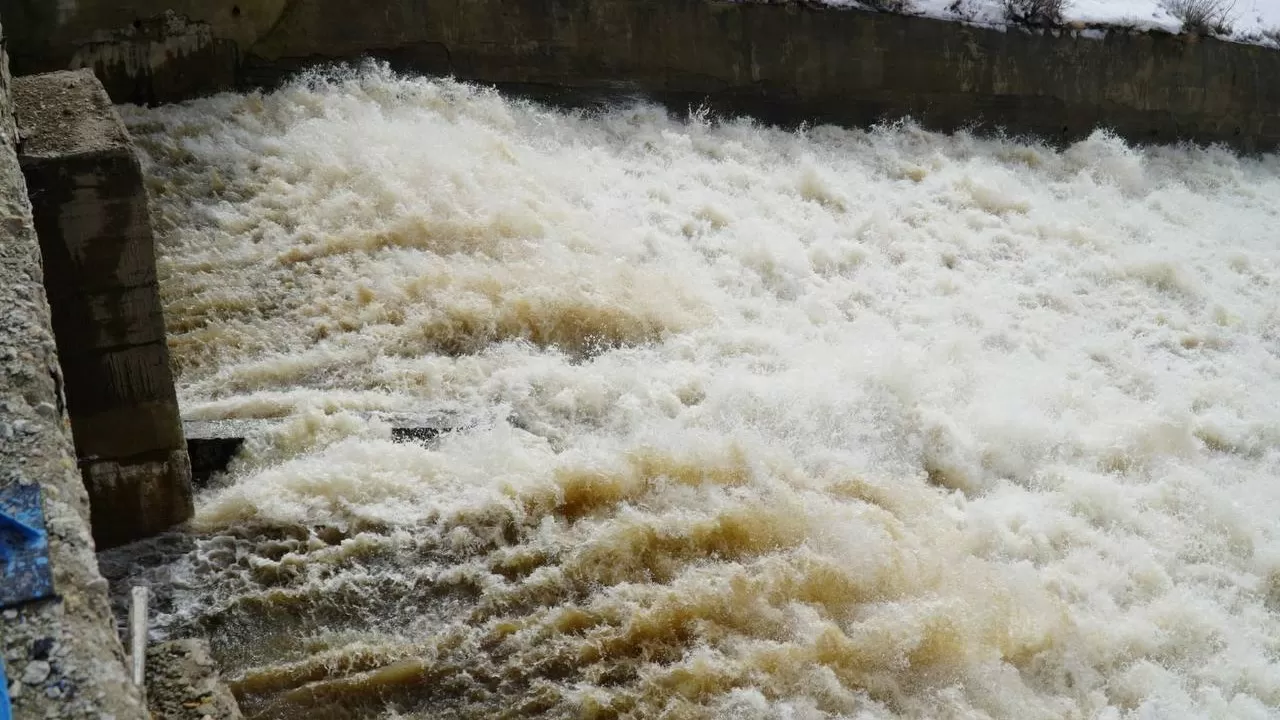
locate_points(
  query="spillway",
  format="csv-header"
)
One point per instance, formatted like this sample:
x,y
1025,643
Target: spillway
x,y
760,423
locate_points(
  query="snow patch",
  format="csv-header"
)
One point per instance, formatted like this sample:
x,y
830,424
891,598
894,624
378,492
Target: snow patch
x,y
1250,21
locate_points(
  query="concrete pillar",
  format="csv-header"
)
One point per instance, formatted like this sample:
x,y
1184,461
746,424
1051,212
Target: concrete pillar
x,y
91,215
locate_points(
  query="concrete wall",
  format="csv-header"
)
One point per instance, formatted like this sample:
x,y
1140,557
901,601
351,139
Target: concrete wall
x,y
62,657
780,61
92,218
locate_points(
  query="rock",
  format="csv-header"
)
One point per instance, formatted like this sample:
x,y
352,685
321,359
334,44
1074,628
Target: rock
x,y
37,672
183,683
42,648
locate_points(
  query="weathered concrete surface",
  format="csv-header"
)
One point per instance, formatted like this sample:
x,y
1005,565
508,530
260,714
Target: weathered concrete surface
x,y
62,656
183,683
778,60
91,216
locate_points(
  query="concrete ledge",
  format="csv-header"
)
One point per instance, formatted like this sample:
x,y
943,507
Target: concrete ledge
x,y
780,61
62,656
91,215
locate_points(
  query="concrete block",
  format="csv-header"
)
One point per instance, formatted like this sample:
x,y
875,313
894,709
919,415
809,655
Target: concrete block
x,y
92,217
135,495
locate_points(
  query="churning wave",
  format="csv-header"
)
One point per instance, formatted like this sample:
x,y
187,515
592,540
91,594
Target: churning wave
x,y
761,423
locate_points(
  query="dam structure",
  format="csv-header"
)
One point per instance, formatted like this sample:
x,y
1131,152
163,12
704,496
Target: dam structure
x,y
778,61
681,359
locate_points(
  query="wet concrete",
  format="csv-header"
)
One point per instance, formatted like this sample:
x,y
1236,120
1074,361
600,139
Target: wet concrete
x,y
92,218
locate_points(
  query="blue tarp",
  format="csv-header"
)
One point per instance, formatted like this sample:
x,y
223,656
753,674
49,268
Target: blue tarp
x,y
6,712
25,574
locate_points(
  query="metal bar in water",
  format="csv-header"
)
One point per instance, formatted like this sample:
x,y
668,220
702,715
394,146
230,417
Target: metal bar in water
x,y
138,637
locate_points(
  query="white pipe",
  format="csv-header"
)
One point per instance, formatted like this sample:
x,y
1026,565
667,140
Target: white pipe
x,y
138,637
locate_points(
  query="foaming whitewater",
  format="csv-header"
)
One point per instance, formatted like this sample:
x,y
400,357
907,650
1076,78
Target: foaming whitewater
x,y
757,423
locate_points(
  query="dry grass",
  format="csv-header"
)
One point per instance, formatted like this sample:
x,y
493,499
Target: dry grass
x,y
1203,17
889,6
1043,13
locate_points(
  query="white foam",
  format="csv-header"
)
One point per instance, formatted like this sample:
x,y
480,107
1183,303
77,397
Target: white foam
x,y
801,424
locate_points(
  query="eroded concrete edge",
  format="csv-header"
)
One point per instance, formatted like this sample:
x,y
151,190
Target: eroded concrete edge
x,y
62,657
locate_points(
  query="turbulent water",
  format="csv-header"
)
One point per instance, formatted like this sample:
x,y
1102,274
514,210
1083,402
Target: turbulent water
x,y
756,423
